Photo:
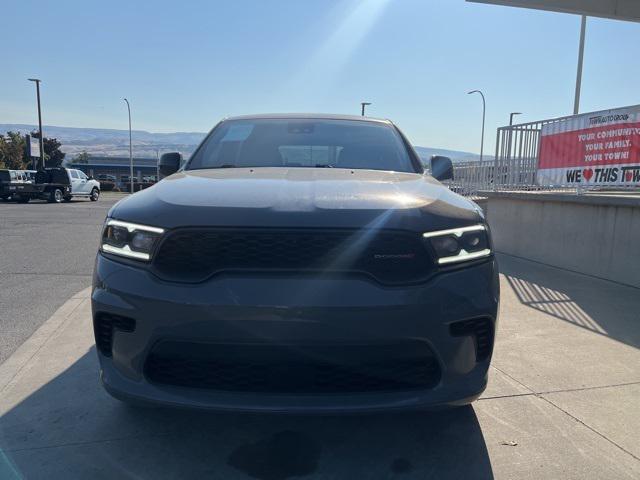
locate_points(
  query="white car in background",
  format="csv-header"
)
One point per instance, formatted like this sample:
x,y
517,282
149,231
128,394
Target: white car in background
x,y
82,186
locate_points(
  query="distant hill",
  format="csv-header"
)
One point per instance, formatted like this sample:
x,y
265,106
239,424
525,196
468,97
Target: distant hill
x,y
115,143
455,155
110,142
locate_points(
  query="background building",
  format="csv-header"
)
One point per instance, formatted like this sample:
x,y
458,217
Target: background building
x,y
103,168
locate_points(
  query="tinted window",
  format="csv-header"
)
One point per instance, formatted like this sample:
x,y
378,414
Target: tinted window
x,y
304,143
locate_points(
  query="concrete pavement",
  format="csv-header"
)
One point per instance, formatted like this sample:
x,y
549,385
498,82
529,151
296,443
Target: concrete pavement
x,y
562,402
47,249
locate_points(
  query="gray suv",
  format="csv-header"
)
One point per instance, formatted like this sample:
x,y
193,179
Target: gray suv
x,y
299,263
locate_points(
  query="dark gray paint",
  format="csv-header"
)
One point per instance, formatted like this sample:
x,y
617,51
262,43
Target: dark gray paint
x,y
281,309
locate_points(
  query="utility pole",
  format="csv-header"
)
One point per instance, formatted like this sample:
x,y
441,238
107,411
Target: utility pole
x,y
576,101
37,82
364,104
130,147
483,117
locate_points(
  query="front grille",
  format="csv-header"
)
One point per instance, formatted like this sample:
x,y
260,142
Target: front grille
x,y
194,254
104,324
293,369
482,331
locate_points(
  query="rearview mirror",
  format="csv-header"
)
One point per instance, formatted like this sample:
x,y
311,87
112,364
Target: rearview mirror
x,y
441,168
169,163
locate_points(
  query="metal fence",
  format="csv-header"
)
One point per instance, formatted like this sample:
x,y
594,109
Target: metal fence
x,y
471,177
514,166
516,160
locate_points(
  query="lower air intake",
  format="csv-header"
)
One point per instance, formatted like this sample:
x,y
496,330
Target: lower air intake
x,y
482,331
293,369
104,325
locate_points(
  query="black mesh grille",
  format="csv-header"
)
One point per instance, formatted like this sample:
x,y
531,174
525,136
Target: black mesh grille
x,y
104,325
482,331
282,369
192,255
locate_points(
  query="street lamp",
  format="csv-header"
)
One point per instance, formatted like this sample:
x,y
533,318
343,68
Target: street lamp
x,y
511,132
130,147
483,116
576,100
37,82
364,104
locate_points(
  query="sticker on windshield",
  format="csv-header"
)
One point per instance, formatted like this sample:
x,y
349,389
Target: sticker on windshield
x,y
238,133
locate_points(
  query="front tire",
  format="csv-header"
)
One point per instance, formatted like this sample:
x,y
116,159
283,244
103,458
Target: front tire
x,y
95,195
56,196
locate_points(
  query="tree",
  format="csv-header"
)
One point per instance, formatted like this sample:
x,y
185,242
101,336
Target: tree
x,y
82,157
53,156
12,147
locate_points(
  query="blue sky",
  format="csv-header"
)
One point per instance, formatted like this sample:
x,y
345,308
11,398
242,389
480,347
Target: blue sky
x,y
184,65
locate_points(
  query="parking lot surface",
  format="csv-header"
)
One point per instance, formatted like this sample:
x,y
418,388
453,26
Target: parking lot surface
x,y
47,253
562,402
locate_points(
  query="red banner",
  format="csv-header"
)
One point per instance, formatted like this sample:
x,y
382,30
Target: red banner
x,y
594,148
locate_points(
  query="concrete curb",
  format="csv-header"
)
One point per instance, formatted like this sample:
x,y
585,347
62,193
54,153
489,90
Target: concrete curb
x,y
12,366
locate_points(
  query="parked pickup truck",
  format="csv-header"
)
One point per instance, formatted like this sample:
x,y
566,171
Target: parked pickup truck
x,y
12,182
51,184
82,185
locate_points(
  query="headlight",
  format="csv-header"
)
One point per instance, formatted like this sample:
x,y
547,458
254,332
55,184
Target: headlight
x,y
459,244
129,239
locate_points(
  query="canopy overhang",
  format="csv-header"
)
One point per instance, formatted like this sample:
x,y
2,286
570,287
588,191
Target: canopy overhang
x,y
628,10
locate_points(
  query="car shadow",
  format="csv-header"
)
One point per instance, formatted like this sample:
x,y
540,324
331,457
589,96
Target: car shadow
x,y
600,306
70,428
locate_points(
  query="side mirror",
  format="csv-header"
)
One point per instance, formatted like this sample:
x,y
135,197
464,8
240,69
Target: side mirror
x,y
169,163
441,168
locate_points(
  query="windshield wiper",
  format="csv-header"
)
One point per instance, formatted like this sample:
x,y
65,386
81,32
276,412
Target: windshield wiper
x,y
320,165
226,165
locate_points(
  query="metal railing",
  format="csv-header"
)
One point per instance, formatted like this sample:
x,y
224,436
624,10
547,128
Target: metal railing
x,y
471,177
515,165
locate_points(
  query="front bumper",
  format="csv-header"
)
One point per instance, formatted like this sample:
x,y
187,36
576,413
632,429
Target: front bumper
x,y
283,310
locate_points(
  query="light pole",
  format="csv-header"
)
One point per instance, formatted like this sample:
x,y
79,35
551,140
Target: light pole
x,y
130,147
37,82
364,104
511,131
483,115
576,100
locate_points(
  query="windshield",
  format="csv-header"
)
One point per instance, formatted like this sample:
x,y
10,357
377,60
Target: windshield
x,y
319,143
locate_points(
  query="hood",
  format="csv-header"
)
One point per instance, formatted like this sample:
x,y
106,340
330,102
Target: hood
x,y
297,197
